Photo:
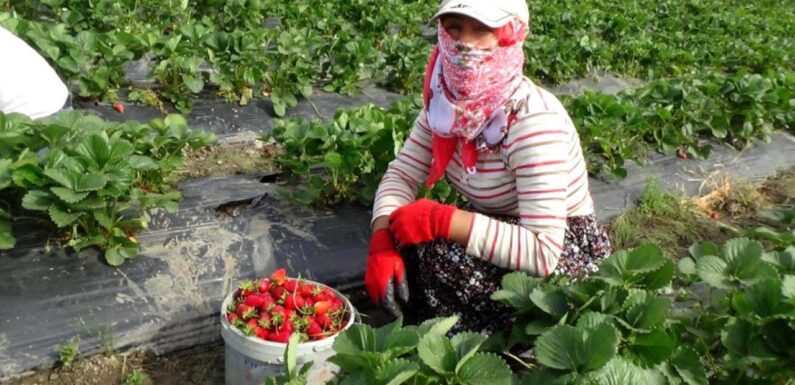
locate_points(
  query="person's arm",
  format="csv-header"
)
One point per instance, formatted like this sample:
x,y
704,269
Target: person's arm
x,y
401,182
537,153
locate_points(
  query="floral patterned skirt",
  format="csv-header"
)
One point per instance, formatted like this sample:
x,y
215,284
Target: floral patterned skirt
x,y
444,281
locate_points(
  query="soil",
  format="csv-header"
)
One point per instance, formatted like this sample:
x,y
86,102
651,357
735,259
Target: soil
x,y
200,365
249,157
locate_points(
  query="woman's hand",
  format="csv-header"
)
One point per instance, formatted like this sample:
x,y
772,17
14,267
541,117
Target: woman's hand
x,y
385,272
421,221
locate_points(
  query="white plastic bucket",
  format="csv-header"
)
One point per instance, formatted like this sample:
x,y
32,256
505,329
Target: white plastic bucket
x,y
250,361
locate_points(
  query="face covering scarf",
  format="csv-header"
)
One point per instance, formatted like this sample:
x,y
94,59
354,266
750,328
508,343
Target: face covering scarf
x,y
471,96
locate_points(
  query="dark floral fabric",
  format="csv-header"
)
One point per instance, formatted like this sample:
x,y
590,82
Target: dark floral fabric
x,y
443,280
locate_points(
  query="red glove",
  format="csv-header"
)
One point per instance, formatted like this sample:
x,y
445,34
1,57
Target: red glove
x,y
421,221
384,271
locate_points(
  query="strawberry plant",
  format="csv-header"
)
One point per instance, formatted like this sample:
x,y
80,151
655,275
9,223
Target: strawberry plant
x,y
89,178
277,307
424,354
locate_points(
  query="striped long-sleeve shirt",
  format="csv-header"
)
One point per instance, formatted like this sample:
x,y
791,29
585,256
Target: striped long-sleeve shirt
x,y
537,174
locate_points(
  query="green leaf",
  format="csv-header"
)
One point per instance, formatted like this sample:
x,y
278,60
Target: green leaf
x,y
788,287
619,371
439,325
7,240
90,182
688,366
104,219
333,160
95,148
357,338
397,371
741,248
194,83
290,355
119,252
61,176
659,278
436,351
648,314
699,250
652,348
631,268
736,335
38,200
550,300
686,266
140,162
711,270
763,299
485,369
516,289
91,203
591,319
784,260
568,348
68,195
466,344
61,217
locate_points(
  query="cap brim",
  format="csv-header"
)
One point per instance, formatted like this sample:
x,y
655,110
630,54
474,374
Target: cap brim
x,y
498,19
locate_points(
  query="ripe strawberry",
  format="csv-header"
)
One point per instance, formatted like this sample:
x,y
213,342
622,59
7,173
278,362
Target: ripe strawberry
x,y
282,333
681,155
246,312
314,330
232,317
306,290
336,306
247,288
291,285
264,285
322,307
325,295
279,277
265,321
262,333
324,321
294,302
118,107
254,300
255,329
277,292
267,302
280,336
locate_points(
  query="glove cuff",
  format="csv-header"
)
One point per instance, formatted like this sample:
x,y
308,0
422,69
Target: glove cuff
x,y
444,218
381,241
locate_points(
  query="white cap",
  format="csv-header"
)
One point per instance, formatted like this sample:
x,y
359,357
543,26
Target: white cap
x,y
492,13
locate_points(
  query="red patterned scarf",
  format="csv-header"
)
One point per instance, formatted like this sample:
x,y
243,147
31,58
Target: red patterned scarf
x,y
470,97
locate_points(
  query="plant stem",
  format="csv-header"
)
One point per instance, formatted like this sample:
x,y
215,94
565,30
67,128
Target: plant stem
x,y
527,365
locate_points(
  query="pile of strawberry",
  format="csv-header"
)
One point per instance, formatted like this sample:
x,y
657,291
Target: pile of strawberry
x,y
274,308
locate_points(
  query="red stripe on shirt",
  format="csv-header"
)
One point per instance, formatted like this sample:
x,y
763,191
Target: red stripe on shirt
x,y
534,134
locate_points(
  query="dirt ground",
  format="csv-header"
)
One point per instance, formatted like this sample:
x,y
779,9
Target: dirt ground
x,y
199,365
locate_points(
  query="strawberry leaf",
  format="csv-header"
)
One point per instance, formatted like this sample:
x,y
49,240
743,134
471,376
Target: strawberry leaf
x,y
396,371
90,182
688,366
38,200
61,217
652,348
436,351
466,344
485,369
68,195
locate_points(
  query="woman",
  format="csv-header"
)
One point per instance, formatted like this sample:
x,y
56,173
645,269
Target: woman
x,y
28,85
506,145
